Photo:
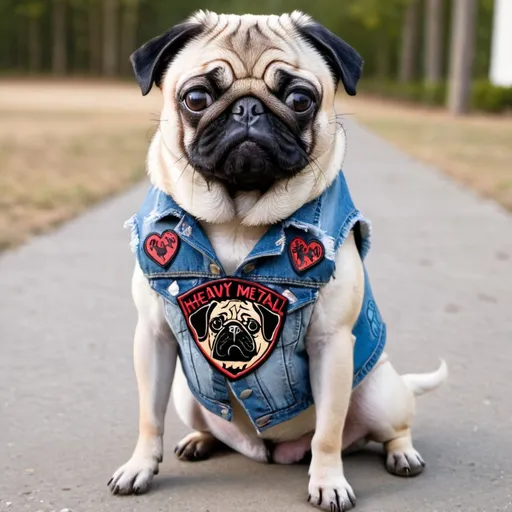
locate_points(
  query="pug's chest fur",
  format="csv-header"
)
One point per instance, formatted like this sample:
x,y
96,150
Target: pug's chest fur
x,y
232,242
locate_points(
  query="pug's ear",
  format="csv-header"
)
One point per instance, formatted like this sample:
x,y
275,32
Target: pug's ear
x,y
199,320
269,321
345,63
150,61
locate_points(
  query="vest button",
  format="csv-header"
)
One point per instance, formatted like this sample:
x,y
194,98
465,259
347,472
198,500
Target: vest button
x,y
224,412
246,393
248,268
264,420
214,269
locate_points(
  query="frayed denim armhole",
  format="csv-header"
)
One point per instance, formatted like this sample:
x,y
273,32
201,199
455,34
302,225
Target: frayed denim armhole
x,y
365,229
131,224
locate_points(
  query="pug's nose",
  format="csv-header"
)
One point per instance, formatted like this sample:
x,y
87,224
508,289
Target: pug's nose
x,y
234,330
247,110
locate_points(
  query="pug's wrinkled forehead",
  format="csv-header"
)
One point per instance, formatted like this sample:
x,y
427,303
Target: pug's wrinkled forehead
x,y
250,55
247,54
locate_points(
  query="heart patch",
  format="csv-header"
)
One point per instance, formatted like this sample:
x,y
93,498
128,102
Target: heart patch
x,y
162,248
305,255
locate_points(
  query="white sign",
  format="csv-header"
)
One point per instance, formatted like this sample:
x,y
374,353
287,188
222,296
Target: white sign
x,y
501,58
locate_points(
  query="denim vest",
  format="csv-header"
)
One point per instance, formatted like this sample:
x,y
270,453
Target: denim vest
x,y
277,283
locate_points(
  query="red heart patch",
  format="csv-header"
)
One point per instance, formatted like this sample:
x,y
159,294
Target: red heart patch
x,y
162,248
305,255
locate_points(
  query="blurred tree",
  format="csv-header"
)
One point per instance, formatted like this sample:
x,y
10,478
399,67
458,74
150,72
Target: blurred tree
x,y
380,23
70,36
59,32
410,41
461,55
94,21
110,37
129,24
484,36
434,44
78,29
32,11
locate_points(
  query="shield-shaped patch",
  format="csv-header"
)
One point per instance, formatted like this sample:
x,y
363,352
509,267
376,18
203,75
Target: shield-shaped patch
x,y
235,323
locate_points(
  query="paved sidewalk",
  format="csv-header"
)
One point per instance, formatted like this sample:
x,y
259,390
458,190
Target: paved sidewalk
x,y
441,268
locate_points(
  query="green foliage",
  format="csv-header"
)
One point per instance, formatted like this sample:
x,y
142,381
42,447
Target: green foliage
x,y
491,98
410,92
374,14
433,94
485,97
31,8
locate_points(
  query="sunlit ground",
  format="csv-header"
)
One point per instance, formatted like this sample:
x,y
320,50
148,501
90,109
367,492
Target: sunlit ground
x,y
64,146
476,150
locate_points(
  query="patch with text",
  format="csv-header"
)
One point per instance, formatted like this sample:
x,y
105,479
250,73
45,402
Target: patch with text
x,y
235,323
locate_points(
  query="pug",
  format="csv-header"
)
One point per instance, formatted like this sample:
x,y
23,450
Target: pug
x,y
260,314
234,333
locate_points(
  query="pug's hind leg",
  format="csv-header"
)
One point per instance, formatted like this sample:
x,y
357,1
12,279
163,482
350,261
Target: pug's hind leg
x,y
401,457
197,446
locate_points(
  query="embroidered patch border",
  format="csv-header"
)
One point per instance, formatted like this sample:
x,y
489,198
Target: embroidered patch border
x,y
235,323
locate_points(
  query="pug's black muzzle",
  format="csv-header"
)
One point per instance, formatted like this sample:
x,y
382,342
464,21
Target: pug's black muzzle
x,y
234,343
248,147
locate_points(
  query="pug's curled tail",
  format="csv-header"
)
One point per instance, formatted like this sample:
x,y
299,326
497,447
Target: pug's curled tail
x,y
421,383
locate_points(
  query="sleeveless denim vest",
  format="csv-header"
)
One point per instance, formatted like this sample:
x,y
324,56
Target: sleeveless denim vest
x,y
282,276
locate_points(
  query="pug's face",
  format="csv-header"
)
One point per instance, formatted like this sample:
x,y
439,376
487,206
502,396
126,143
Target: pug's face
x,y
234,334
248,100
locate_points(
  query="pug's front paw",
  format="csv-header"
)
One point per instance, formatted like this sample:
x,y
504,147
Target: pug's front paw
x,y
136,476
329,490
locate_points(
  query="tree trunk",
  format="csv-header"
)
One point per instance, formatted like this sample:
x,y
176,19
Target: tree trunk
x,y
129,34
461,55
34,44
410,40
434,41
383,57
94,14
21,46
110,37
59,50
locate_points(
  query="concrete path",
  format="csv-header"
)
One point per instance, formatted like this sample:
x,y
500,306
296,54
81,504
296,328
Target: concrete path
x,y
441,268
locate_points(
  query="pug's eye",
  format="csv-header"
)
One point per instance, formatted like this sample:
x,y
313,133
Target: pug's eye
x,y
252,326
299,101
197,100
216,324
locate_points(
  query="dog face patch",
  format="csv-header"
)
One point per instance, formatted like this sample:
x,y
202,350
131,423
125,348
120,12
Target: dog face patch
x,y
234,322
162,248
305,255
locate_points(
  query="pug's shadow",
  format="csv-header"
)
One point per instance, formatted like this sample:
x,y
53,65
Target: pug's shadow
x,y
227,467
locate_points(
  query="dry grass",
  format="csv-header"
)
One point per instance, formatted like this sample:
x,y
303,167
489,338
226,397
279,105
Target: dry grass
x,y
63,147
476,150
